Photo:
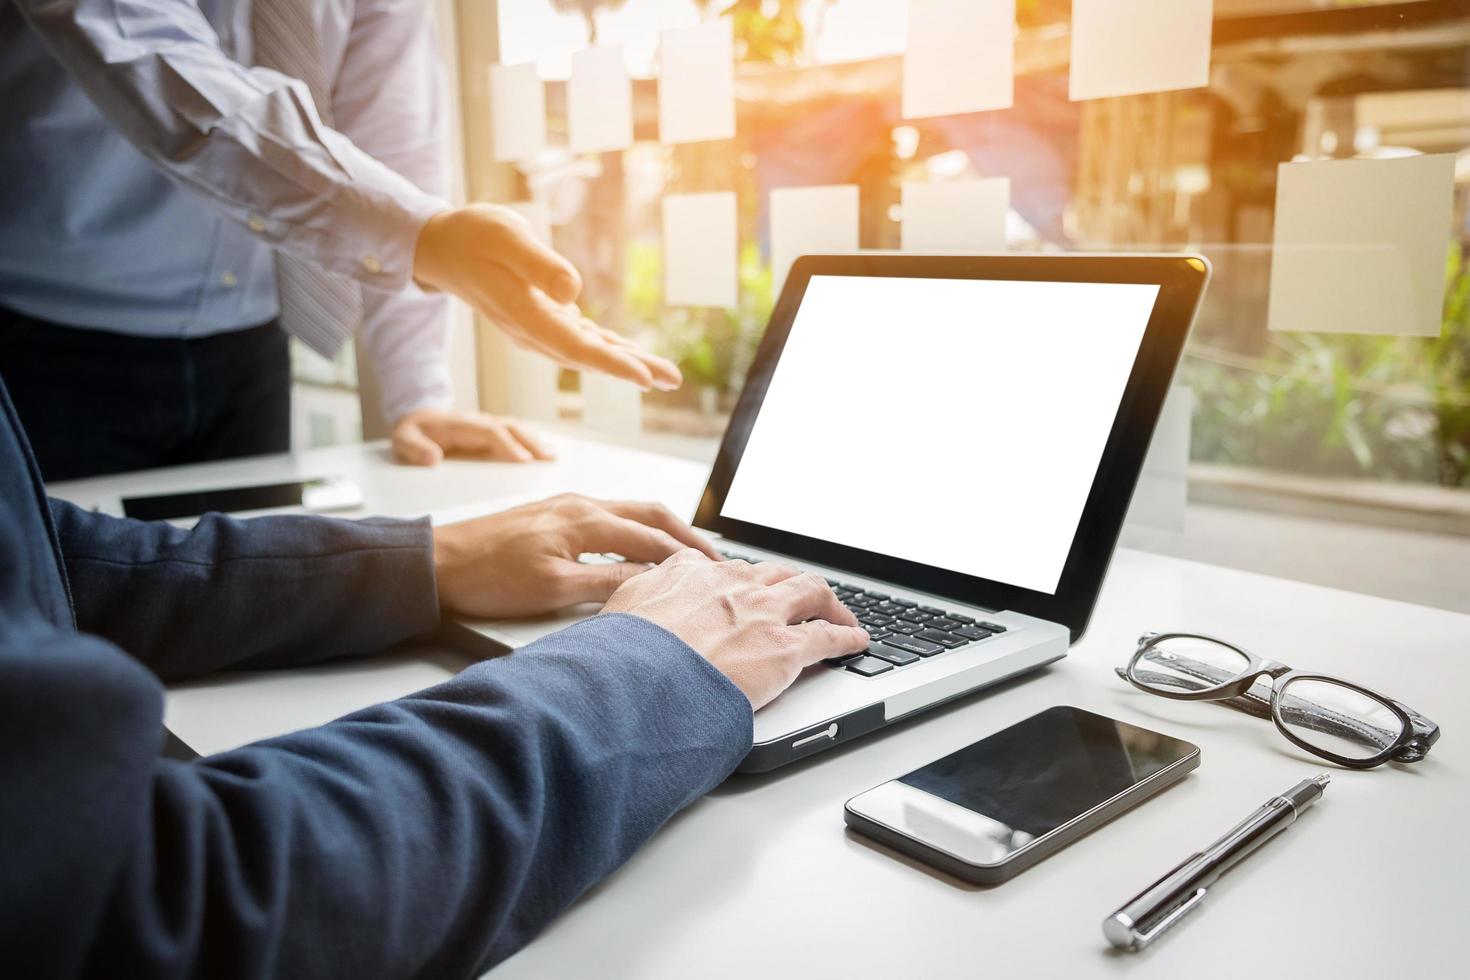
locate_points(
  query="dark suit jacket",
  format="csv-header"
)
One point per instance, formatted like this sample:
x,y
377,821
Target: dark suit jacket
x,y
431,836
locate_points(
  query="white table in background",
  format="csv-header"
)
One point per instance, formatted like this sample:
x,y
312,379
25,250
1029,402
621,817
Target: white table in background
x,y
761,879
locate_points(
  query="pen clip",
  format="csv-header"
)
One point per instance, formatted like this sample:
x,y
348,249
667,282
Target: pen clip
x,y
1142,939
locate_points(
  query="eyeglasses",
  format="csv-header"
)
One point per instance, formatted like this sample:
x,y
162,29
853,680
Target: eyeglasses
x,y
1342,722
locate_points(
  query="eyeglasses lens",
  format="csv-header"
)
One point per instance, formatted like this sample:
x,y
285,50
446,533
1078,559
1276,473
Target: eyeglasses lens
x,y
1187,663
1338,719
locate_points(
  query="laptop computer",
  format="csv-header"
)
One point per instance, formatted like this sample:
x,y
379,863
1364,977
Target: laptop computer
x,y
953,442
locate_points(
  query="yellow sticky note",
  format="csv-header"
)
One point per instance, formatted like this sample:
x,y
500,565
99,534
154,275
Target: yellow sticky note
x,y
956,216
600,101
1161,498
700,257
517,113
1126,47
1360,245
696,83
809,220
959,57
611,404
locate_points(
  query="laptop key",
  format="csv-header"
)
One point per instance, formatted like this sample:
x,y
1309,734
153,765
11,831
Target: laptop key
x,y
960,619
888,608
942,623
942,638
931,610
972,632
993,627
859,601
868,666
877,634
904,603
880,596
870,618
912,644
914,616
899,626
895,655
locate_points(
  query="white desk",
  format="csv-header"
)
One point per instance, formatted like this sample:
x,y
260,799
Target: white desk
x,y
761,879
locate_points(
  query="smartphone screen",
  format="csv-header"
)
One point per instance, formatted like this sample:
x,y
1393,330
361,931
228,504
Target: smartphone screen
x,y
314,494
1047,770
994,798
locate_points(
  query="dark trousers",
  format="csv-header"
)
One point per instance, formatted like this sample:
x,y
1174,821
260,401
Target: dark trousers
x,y
95,402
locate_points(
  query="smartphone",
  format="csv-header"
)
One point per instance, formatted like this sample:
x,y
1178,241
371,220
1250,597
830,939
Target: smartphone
x,y
328,494
996,807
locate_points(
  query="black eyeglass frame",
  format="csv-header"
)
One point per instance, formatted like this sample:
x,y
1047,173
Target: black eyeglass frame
x,y
1416,733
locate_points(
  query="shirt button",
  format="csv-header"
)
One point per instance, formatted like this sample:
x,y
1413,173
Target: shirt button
x,y
371,264
256,224
228,280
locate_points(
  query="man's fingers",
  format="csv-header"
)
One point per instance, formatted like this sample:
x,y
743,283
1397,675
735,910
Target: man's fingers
x,y
594,583
818,640
634,541
522,253
533,443
808,596
666,376
771,572
535,322
412,446
659,516
490,436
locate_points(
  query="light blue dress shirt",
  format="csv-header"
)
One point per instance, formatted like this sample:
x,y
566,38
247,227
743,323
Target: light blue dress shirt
x,y
146,174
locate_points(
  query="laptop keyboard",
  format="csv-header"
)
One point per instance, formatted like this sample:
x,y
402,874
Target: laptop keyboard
x,y
903,632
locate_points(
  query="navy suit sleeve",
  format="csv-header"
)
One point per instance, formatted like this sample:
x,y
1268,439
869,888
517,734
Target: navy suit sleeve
x,y
268,592
431,836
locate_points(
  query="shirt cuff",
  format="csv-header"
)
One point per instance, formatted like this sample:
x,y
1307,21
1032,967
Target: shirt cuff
x,y
374,232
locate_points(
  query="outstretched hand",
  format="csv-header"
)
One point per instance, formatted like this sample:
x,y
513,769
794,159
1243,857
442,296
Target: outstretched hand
x,y
488,256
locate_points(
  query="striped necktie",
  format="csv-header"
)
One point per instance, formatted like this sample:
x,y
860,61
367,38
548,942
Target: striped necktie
x,y
319,308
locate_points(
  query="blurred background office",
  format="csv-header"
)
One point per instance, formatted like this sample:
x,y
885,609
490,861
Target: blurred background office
x,y
1331,452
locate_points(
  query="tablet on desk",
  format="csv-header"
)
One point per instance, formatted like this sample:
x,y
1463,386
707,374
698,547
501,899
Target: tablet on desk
x,y
317,496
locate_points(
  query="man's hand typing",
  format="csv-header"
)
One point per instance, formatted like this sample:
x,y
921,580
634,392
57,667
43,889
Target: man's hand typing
x,y
523,561
759,625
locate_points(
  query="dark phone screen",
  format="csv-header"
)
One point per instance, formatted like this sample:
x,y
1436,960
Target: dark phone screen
x,y
169,506
1045,771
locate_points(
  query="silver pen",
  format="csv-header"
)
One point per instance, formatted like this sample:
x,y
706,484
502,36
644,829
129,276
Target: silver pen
x,y
1147,915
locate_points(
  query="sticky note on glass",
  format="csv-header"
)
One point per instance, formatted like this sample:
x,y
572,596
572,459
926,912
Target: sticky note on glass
x,y
1360,245
700,257
1162,495
1125,47
696,83
611,404
517,113
808,220
956,216
959,57
599,101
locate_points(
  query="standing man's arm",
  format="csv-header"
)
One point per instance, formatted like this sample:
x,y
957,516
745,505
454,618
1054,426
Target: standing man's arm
x,y
389,97
250,141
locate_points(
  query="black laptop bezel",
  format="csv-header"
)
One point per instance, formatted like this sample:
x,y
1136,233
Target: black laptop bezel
x,y
1182,280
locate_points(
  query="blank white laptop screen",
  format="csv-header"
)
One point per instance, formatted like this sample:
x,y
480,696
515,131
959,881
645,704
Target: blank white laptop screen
x,y
953,422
